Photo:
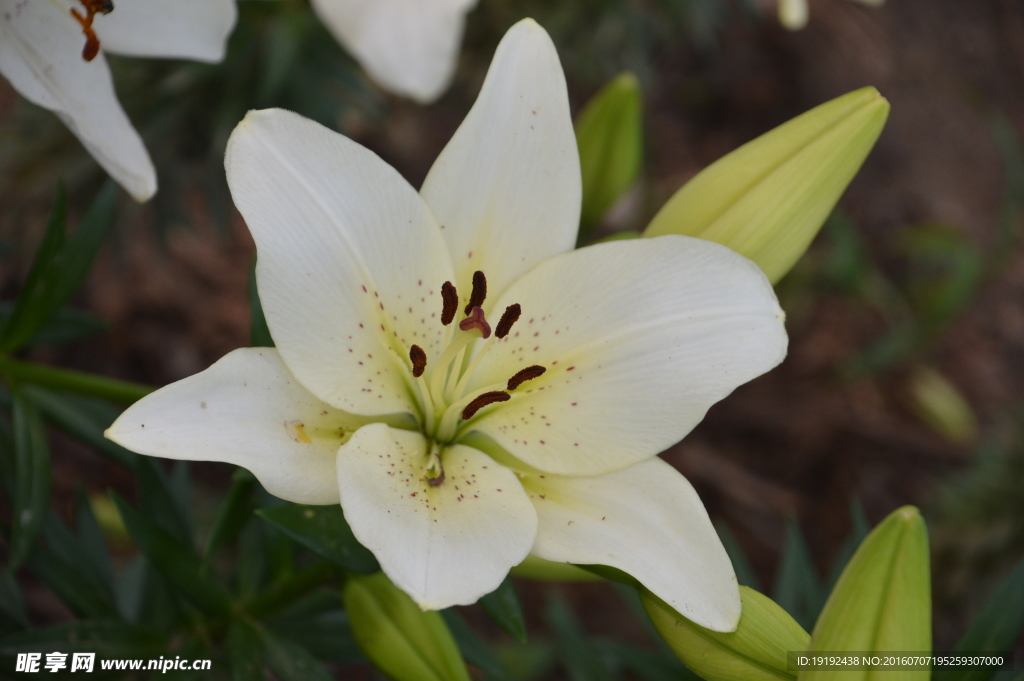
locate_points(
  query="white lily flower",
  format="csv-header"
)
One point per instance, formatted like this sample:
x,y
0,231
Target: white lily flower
x,y
41,54
408,47
794,14
469,387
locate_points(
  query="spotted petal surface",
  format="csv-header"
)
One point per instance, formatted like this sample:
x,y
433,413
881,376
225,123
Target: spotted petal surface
x,y
639,339
444,545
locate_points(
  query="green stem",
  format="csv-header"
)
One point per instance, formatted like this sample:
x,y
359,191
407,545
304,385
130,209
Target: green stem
x,y
289,590
68,380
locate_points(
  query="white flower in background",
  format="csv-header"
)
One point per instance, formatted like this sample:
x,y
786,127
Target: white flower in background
x,y
49,56
408,47
469,387
794,14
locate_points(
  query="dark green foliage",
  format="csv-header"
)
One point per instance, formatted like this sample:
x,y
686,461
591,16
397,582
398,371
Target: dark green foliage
x,y
502,605
323,530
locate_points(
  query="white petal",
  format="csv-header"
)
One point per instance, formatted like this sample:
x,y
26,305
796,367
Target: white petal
x,y
246,409
648,521
408,47
174,29
41,55
444,545
507,187
639,339
350,260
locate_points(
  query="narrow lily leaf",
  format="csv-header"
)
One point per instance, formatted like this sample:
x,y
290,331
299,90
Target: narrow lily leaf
x,y
397,637
502,605
252,561
757,651
580,657
66,326
7,465
768,199
649,666
72,585
234,513
245,651
609,134
290,661
549,571
861,528
259,333
476,652
320,624
81,418
995,629
158,500
745,574
882,601
797,587
11,602
106,638
90,541
324,531
31,481
17,328
175,560
64,271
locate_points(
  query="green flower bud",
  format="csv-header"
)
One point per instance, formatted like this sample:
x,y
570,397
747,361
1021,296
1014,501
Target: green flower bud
x,y
768,199
550,571
938,403
882,601
756,651
609,133
397,637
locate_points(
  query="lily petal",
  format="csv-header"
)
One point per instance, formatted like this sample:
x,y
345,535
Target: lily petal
x,y
41,55
507,186
350,259
444,545
639,339
648,521
409,47
172,29
246,409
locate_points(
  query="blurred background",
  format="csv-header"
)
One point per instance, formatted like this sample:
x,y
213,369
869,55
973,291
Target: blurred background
x,y
904,382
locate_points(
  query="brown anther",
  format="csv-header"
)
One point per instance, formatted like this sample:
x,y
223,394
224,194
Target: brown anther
x,y
508,318
476,320
419,360
524,375
482,401
434,482
450,297
476,298
92,8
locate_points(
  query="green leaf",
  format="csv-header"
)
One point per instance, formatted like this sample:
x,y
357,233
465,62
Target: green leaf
x,y
397,637
90,541
160,502
290,661
324,531
757,651
609,135
259,334
252,561
82,418
11,601
579,656
319,622
31,481
106,638
995,629
17,328
130,588
861,528
234,513
175,560
882,601
66,326
473,649
797,587
72,585
502,605
647,665
245,651
63,271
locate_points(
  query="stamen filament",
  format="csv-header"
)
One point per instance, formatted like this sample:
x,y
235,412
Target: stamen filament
x,y
439,379
449,422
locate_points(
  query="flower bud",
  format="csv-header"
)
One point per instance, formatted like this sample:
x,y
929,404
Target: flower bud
x,y
397,637
882,601
756,651
768,199
609,133
550,571
939,404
